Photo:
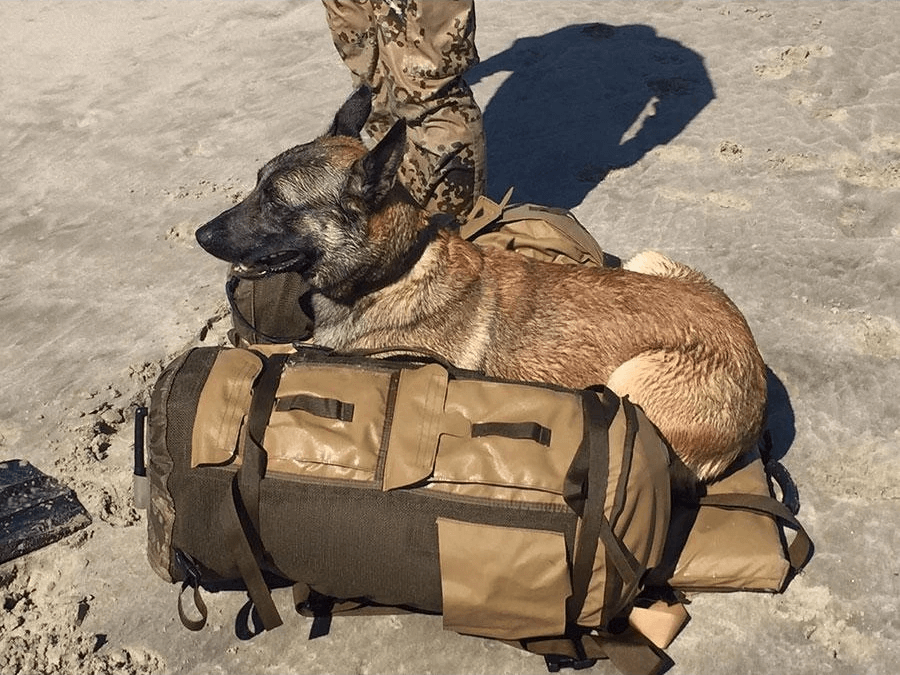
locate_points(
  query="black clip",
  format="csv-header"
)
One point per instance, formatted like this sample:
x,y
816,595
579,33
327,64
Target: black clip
x,y
189,568
555,662
578,662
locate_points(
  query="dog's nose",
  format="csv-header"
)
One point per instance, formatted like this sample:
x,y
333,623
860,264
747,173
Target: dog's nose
x,y
204,236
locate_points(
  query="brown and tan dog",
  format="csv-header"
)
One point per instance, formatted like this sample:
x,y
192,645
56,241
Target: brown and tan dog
x,y
384,274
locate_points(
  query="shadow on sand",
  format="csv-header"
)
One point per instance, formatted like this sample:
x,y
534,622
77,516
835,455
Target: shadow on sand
x,y
581,101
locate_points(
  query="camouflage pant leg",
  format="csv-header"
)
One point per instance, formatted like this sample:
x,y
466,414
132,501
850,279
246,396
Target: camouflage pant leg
x,y
413,55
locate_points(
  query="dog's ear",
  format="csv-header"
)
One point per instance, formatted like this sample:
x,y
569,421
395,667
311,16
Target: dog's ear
x,y
352,115
373,175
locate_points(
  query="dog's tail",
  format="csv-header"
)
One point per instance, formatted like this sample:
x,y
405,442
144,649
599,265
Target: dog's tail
x,y
656,264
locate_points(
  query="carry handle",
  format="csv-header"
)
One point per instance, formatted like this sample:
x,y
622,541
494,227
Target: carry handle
x,y
416,354
526,431
320,406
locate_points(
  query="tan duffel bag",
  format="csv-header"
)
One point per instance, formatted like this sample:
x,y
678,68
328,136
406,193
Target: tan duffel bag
x,y
376,482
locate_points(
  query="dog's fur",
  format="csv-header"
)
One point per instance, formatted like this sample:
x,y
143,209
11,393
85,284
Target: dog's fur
x,y
384,274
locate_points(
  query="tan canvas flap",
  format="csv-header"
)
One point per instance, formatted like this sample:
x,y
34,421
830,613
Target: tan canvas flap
x,y
303,440
486,466
731,549
660,622
502,582
552,235
419,420
222,406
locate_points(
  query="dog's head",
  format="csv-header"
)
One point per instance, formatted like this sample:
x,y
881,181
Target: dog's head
x,y
309,208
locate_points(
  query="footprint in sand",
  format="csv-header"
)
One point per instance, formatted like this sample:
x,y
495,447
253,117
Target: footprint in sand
x,y
779,63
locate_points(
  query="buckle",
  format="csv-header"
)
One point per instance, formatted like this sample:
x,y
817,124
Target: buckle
x,y
555,662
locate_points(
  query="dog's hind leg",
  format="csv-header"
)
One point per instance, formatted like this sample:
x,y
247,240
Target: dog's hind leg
x,y
696,408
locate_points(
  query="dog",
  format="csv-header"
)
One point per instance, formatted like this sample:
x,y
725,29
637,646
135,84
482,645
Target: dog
x,y
383,273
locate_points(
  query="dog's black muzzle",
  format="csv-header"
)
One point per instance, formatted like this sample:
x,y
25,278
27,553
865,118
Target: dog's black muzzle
x,y
251,256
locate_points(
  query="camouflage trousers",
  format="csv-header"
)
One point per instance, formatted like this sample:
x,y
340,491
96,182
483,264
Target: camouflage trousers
x,y
413,54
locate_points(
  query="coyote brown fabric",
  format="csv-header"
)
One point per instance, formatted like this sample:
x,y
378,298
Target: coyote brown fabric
x,y
222,406
544,233
733,550
521,583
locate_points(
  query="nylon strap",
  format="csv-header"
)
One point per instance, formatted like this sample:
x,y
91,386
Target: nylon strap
x,y
253,461
799,550
192,624
632,653
237,533
483,214
519,430
590,470
320,406
240,512
592,466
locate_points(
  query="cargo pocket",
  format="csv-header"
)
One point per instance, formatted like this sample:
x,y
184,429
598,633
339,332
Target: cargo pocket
x,y
328,422
222,406
523,439
502,582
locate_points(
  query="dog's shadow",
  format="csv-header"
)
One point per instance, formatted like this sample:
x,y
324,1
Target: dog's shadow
x,y
779,417
581,101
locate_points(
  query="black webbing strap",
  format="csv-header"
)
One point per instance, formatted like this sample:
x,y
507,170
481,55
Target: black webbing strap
x,y
238,533
799,550
253,461
589,471
629,651
632,653
586,486
240,512
531,431
320,406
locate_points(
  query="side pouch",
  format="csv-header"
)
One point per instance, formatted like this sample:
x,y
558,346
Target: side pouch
x,y
519,589
735,541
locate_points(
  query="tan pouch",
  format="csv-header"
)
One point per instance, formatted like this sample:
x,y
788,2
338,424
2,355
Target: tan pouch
x,y
482,439
732,548
540,232
327,422
502,582
223,406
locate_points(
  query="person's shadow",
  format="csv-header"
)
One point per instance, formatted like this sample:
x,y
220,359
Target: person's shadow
x,y
582,101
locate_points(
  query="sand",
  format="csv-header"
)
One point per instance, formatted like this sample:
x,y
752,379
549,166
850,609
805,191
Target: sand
x,y
759,142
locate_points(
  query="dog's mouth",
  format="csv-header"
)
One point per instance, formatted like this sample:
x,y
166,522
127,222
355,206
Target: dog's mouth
x,y
273,263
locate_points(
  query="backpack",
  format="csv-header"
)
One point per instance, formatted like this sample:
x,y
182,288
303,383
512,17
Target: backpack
x,y
384,481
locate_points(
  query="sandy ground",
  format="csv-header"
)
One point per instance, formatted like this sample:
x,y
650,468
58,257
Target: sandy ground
x,y
759,142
